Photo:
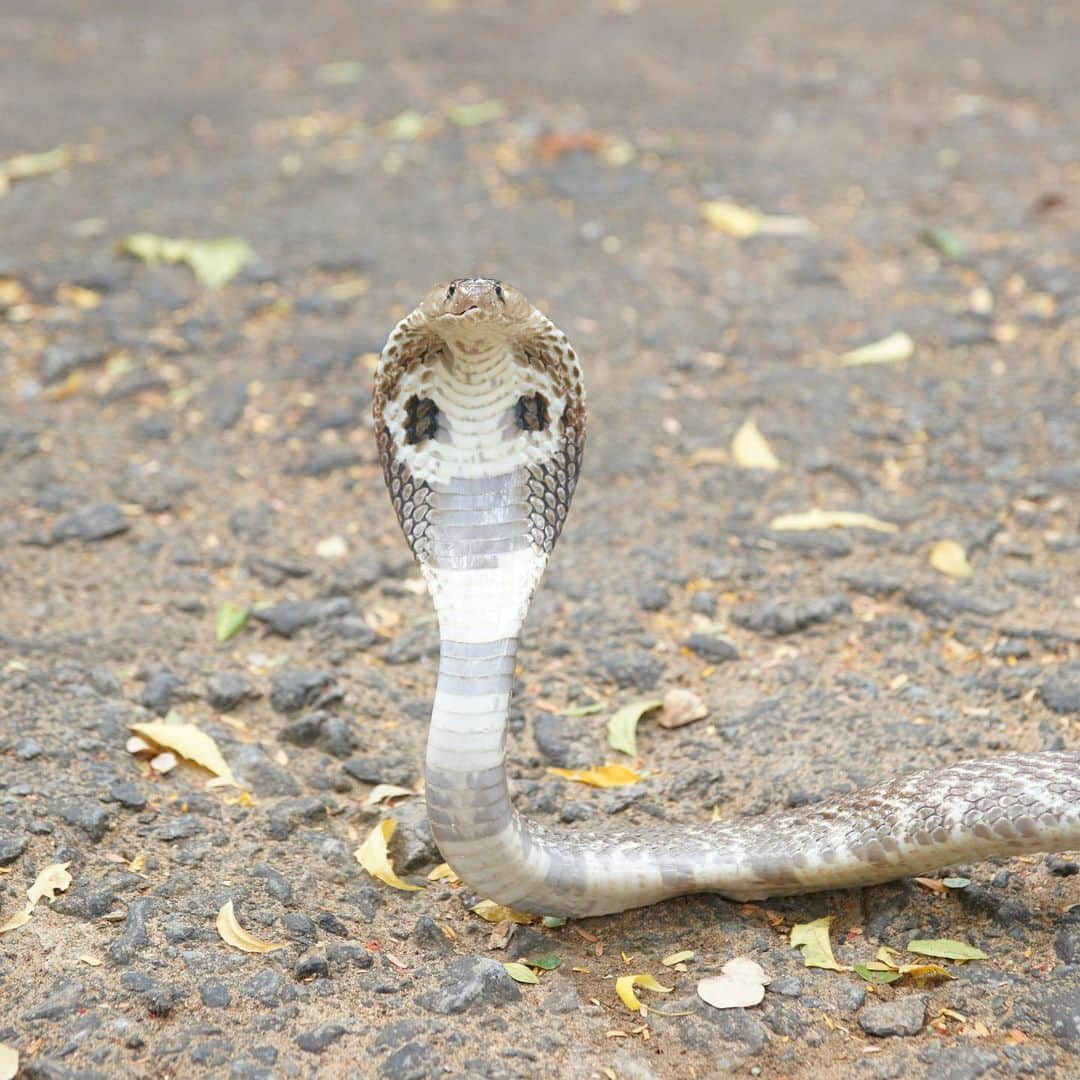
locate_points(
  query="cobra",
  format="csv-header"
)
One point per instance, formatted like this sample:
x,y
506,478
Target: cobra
x,y
479,411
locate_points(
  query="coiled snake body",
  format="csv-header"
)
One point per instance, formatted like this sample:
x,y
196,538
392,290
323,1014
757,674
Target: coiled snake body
x,y
480,419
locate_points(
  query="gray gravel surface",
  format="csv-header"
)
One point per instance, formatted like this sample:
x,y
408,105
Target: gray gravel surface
x,y
165,450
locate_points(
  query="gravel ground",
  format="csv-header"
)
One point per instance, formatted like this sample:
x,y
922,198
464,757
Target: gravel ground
x,y
167,450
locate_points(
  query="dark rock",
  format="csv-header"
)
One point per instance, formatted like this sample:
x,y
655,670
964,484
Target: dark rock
x,y
85,902
291,616
1067,946
1060,690
376,770
1058,1007
412,844
703,602
472,980
86,814
904,1016
268,988
183,827
313,965
225,690
629,668
429,935
12,845
161,691
61,359
331,734
414,1061
98,521
288,814
561,740
66,998
413,645
251,523
276,884
274,571
320,1038
299,688
134,937
779,617
215,994
152,487
827,542
323,462
347,953
710,647
300,928
1004,910
127,795
942,602
252,764
653,597
224,404
1061,867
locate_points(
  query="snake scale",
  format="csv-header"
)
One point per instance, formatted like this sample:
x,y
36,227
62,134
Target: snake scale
x,y
479,411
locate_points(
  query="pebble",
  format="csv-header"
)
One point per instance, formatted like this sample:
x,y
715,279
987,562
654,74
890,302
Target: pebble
x,y
1060,690
12,845
653,597
629,668
60,359
292,616
376,770
66,998
413,645
225,690
711,647
85,902
321,1038
134,937
414,1061
470,981
329,733
161,691
781,617
86,814
99,521
215,994
561,740
904,1016
302,688
127,795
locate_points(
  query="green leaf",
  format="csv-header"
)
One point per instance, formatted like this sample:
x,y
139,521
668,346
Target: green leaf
x,y
583,710
946,949
878,978
340,73
553,922
483,112
230,621
622,726
813,939
213,262
547,962
520,973
948,244
956,882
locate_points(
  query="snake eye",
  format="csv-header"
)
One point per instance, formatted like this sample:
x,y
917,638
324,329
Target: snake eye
x,y
450,291
532,413
499,292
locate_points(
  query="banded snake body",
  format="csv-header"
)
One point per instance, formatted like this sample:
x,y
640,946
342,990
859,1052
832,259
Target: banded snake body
x,y
479,411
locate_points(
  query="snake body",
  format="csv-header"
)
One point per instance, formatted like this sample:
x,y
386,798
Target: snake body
x,y
479,411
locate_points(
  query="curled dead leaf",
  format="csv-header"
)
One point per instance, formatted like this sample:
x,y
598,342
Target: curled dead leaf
x,y
751,449
830,519
374,856
190,743
232,933
383,792
497,913
53,880
813,939
889,350
624,988
742,222
601,776
948,557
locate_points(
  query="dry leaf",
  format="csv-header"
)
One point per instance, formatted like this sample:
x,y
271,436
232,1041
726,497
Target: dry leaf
x,y
622,726
20,918
497,913
374,856
90,961
190,743
27,166
232,933
624,987
381,792
707,455
681,707
740,985
52,881
751,450
813,939
947,949
520,973
948,557
214,262
443,872
830,519
601,776
9,1062
743,222
888,350
678,958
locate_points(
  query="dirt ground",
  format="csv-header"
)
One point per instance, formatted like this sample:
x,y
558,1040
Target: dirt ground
x,y
166,450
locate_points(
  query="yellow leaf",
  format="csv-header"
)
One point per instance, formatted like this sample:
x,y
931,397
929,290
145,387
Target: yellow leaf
x,y
214,262
948,557
20,918
888,350
830,519
443,872
602,776
381,792
707,455
743,222
813,939
925,972
374,856
9,1062
52,881
678,958
751,450
624,987
27,166
90,960
190,743
232,933
497,913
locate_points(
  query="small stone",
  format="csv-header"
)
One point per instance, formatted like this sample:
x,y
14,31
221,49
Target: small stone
x,y
85,902
215,994
12,845
299,688
161,691
561,740
653,597
85,814
127,795
313,965
710,647
64,999
253,765
225,690
629,668
1061,867
413,645
292,616
91,523
1060,690
62,358
134,937
428,934
375,770
472,980
414,1061
780,617
703,602
904,1016
321,1038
